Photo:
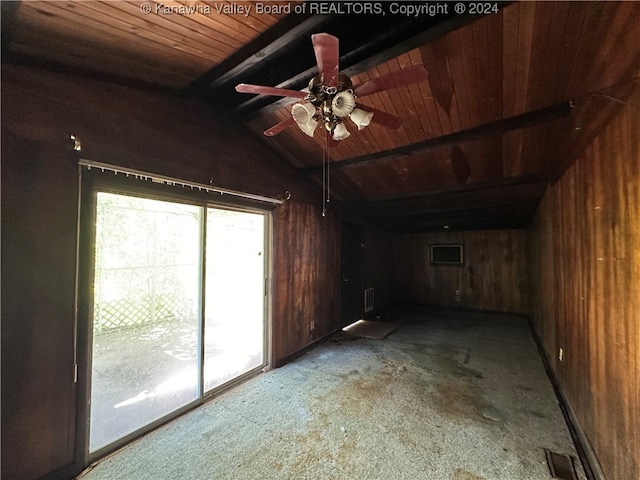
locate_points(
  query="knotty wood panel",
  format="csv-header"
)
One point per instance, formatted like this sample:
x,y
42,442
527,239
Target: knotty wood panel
x,y
135,129
494,275
584,258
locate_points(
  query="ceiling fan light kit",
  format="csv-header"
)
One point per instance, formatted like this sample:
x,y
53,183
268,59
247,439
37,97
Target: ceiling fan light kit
x,y
330,109
331,103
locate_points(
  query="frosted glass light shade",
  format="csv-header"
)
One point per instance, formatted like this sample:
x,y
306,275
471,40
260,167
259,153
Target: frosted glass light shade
x,y
343,104
340,132
308,127
360,118
303,115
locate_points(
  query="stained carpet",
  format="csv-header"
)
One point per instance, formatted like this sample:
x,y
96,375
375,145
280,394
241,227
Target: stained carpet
x,y
449,396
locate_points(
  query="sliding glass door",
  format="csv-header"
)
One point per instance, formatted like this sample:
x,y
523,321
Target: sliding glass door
x,y
234,325
178,309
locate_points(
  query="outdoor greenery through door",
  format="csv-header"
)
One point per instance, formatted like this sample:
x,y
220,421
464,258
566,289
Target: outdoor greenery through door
x,y
179,308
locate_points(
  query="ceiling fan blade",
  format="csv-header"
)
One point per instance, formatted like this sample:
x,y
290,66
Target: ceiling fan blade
x,y
261,90
382,118
399,78
327,53
279,127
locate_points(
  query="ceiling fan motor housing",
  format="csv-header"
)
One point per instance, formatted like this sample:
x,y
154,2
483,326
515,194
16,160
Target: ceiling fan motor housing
x,y
334,102
318,91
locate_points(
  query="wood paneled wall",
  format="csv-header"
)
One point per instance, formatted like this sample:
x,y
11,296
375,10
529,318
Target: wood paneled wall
x,y
39,225
306,276
306,268
494,275
585,279
141,130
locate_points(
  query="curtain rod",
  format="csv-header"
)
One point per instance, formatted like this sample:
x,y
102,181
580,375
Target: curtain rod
x,y
175,181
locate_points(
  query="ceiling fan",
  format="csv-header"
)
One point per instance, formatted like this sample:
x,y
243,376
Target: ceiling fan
x,y
332,96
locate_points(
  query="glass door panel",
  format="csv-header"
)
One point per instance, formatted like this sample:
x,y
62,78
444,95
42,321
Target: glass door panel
x,y
234,338
147,297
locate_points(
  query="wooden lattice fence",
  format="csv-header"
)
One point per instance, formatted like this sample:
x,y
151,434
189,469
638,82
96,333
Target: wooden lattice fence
x,y
124,313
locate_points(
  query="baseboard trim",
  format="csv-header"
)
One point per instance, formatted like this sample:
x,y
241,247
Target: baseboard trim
x,y
65,473
588,458
307,348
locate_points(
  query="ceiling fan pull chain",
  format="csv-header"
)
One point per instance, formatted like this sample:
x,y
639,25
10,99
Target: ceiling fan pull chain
x,y
328,183
324,179
328,172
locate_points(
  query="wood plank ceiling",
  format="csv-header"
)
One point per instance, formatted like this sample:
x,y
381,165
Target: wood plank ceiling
x,y
510,100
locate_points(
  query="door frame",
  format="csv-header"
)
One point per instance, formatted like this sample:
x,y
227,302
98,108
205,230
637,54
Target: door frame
x,y
352,239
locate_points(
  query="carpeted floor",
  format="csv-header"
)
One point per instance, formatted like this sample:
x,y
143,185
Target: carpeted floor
x,y
449,395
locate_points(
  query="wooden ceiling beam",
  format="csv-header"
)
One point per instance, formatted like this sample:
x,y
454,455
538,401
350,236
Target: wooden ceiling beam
x,y
493,223
457,201
538,180
258,50
455,210
517,215
499,127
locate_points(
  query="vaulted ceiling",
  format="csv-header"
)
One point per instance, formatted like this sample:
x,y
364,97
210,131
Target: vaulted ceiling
x,y
511,98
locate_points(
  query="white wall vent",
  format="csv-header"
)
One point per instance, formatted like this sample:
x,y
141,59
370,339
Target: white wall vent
x,y
368,300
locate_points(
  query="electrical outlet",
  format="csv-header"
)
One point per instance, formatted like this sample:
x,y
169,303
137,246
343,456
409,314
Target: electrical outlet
x,y
457,293
457,298
313,325
561,354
